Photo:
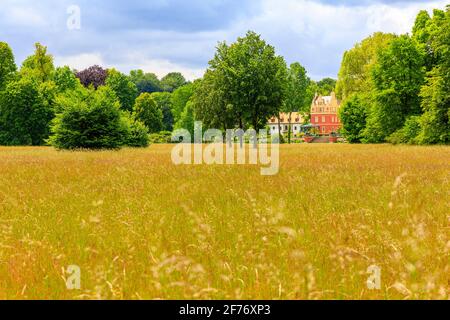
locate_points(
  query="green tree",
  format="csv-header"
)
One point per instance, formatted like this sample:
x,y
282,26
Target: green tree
x,y
137,133
145,82
326,86
164,103
38,66
26,110
353,114
355,74
125,90
172,81
425,29
187,118
65,79
397,77
435,124
297,97
89,119
179,99
209,105
7,64
147,111
249,80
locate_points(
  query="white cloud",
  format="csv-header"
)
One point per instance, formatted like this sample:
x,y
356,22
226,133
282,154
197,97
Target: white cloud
x,y
80,61
160,67
317,34
23,17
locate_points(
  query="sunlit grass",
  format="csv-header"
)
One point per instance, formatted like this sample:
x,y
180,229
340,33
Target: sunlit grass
x,y
140,227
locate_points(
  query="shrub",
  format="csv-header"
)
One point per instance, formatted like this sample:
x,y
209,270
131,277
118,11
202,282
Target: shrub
x,y
161,137
408,133
137,135
89,119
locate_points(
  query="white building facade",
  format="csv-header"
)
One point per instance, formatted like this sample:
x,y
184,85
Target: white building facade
x,y
296,123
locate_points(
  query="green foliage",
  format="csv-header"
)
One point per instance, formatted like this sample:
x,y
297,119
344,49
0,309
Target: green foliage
x,y
147,111
164,103
326,86
137,135
125,90
145,82
187,118
247,79
357,63
26,110
172,81
179,99
89,119
38,66
7,64
209,106
397,78
353,114
298,97
408,133
435,124
65,79
161,137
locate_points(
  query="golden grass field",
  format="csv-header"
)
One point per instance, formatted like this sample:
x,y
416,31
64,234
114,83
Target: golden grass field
x,y
140,227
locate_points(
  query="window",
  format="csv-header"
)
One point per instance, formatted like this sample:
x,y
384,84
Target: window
x,y
274,128
285,128
323,129
295,128
316,119
323,119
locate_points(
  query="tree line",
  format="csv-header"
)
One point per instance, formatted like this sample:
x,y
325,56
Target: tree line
x,y
397,88
394,89
245,85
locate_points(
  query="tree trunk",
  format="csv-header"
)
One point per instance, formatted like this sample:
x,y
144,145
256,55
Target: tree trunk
x,y
289,133
279,127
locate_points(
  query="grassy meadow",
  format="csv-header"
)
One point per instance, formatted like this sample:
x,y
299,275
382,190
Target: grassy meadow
x,y
140,227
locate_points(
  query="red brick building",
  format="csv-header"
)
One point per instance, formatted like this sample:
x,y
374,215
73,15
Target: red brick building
x,y
324,114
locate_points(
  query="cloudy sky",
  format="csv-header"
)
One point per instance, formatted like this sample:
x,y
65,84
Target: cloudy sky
x,y
161,36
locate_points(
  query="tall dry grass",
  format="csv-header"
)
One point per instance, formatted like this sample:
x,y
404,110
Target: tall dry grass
x,y
140,227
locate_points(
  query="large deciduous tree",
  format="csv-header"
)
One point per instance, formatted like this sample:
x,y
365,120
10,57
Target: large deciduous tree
x,y
164,103
147,111
95,76
125,90
397,77
26,110
435,123
353,114
298,97
7,64
65,79
246,78
179,99
38,66
145,82
172,81
355,74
